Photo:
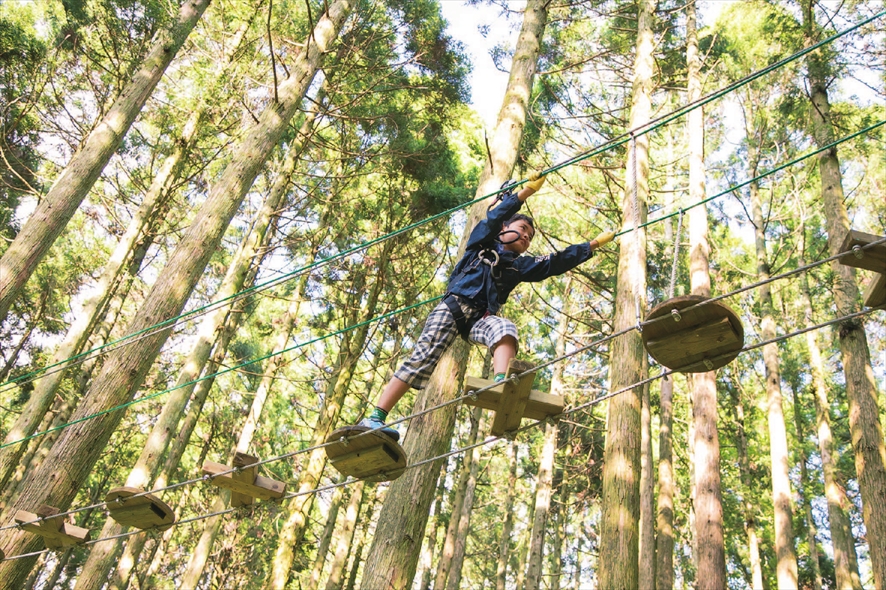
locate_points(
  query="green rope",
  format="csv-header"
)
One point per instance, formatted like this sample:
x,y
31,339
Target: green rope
x,y
415,305
224,371
645,128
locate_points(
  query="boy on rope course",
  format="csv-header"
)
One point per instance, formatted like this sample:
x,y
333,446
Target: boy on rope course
x,y
480,284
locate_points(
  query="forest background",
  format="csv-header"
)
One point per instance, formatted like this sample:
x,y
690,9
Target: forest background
x,y
265,200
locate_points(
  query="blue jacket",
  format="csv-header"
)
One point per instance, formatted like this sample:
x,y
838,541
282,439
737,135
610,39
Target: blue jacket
x,y
488,288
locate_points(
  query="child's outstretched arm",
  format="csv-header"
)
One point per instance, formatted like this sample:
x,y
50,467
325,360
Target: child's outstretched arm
x,y
531,187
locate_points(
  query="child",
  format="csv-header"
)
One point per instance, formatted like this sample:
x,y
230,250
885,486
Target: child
x,y
481,282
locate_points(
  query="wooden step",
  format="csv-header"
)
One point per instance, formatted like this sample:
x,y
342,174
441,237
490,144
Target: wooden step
x,y
246,484
56,533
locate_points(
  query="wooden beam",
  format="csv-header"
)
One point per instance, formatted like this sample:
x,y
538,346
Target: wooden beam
x,y
875,294
873,258
539,405
245,485
56,533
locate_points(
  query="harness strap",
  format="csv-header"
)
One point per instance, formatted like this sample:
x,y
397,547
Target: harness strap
x,y
461,322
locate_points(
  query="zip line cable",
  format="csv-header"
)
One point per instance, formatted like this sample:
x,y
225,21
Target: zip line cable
x,y
545,364
681,211
608,145
488,440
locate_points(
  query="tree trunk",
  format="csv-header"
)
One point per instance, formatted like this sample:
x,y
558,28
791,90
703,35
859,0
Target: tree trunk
x,y
750,518
786,557
664,541
467,506
70,188
805,494
841,533
618,560
646,556
328,531
395,548
864,417
454,529
130,556
504,547
101,558
345,538
426,563
543,485
80,445
711,556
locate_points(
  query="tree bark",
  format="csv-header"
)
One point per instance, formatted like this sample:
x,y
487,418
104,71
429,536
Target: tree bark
x,y
504,547
453,529
647,496
847,578
618,560
393,556
467,506
805,495
861,389
711,558
543,488
80,445
345,538
786,557
70,188
664,540
750,518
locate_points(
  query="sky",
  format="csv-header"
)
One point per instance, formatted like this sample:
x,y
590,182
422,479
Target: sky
x,y
487,83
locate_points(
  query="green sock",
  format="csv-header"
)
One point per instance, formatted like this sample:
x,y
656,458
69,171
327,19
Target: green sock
x,y
379,414
499,377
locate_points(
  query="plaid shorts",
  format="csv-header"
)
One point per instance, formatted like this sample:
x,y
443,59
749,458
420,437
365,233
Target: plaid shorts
x,y
438,334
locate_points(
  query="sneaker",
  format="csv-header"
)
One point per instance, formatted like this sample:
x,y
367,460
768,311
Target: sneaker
x,y
374,423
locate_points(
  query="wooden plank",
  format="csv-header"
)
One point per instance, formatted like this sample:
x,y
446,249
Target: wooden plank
x,y
690,335
247,476
875,294
373,456
873,258
539,405
142,512
262,487
512,403
56,533
363,462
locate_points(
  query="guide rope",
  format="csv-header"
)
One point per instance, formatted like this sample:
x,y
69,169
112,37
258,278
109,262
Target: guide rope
x,y
647,127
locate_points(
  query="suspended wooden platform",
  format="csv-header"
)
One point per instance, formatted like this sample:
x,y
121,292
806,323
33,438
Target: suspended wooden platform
x,y
697,340
512,402
56,533
873,258
373,456
141,512
246,485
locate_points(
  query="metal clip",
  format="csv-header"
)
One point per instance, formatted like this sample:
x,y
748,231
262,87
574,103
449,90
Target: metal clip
x,y
510,435
473,394
708,364
859,253
344,441
675,313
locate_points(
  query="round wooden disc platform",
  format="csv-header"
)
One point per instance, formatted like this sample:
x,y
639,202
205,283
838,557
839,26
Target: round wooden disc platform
x,y
141,512
373,457
701,339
